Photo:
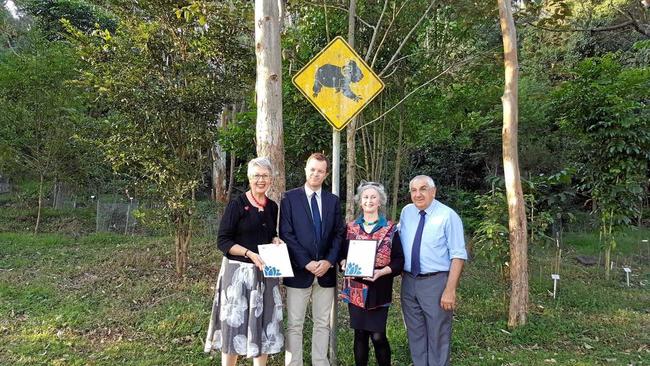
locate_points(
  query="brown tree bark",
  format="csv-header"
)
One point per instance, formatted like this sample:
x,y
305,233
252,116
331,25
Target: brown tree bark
x,y
231,175
396,172
219,163
268,87
182,239
518,309
351,149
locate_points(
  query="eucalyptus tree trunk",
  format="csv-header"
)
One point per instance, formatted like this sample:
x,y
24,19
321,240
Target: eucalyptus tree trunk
x,y
268,87
231,175
351,149
518,310
398,162
233,157
219,163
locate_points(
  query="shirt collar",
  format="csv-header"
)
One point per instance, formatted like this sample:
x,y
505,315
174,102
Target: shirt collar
x,y
431,207
382,221
309,192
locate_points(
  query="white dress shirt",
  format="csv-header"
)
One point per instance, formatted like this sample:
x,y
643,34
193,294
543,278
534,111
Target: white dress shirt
x,y
310,193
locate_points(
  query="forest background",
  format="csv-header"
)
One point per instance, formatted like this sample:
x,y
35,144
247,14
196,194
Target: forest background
x,y
149,106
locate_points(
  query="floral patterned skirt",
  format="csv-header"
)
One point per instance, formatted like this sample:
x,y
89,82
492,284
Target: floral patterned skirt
x,y
247,312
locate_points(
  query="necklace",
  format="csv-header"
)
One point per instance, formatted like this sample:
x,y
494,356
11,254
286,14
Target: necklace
x,y
370,223
259,204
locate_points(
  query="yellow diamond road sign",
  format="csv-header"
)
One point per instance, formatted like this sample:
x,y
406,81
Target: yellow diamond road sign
x,y
338,83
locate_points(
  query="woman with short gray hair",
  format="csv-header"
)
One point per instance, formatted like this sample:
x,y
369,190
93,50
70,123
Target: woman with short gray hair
x,y
259,163
246,315
368,298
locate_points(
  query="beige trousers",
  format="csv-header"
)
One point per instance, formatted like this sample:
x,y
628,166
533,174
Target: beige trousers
x,y
322,299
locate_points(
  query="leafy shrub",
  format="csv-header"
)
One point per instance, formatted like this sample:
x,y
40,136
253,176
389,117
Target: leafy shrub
x,y
491,236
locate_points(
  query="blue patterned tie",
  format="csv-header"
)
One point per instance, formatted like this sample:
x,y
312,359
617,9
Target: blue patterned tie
x,y
415,251
315,214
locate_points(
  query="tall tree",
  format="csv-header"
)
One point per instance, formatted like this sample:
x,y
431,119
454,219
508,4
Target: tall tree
x,y
269,129
219,164
351,150
159,81
39,111
518,310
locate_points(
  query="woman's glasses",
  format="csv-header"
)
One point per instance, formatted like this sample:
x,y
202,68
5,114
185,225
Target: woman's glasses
x,y
258,177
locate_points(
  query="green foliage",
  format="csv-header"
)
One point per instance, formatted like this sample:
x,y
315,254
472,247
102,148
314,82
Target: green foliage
x,y
26,195
464,203
549,13
160,80
548,202
42,113
153,221
605,105
239,136
491,239
80,13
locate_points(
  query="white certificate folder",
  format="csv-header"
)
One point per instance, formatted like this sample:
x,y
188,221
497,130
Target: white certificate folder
x,y
360,261
276,260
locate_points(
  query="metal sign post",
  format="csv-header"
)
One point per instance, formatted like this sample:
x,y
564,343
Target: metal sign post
x,y
555,277
627,275
339,84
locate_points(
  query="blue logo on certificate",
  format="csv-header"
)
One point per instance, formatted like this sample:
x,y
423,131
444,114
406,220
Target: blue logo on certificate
x,y
360,261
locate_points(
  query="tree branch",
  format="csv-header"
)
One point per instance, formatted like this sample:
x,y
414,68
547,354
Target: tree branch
x,y
408,36
327,27
416,89
390,25
599,29
342,9
375,31
635,23
404,57
392,72
11,47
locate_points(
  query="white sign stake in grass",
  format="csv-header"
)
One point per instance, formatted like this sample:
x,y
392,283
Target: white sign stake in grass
x,y
627,275
555,277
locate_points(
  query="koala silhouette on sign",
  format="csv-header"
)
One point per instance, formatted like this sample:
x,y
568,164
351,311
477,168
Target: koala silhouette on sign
x,y
339,78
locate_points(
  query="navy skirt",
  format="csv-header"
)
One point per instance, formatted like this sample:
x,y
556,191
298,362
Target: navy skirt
x,y
373,320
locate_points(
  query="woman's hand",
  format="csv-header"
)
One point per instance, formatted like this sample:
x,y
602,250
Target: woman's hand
x,y
342,264
277,241
257,260
378,273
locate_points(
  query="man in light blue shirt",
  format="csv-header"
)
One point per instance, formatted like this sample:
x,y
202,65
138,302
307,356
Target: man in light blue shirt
x,y
434,253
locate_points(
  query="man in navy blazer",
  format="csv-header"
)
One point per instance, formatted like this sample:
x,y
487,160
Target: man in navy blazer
x,y
312,226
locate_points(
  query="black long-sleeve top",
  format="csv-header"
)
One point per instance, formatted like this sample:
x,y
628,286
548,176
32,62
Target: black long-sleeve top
x,y
243,224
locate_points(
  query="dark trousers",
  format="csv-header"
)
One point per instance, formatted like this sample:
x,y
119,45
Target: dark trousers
x,y
428,326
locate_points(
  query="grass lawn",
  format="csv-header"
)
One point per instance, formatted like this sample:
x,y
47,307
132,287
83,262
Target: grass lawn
x,y
113,300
